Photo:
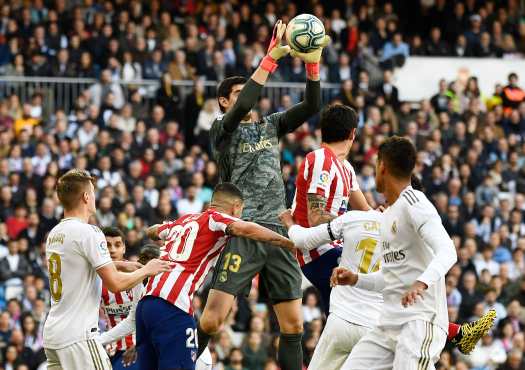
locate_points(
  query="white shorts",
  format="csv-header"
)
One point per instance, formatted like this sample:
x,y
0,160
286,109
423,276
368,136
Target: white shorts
x,y
86,355
336,343
413,346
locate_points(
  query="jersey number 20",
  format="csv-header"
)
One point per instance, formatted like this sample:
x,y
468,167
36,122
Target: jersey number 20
x,y
55,281
184,238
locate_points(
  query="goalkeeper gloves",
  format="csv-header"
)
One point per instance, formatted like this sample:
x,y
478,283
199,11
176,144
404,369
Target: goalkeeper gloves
x,y
275,51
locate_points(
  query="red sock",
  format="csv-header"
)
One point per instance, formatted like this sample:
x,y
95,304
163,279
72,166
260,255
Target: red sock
x,y
453,330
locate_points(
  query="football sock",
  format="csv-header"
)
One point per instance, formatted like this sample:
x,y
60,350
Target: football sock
x,y
203,339
290,352
453,330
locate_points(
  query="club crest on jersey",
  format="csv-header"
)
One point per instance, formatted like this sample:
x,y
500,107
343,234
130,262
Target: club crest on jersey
x,y
223,276
394,228
324,179
194,355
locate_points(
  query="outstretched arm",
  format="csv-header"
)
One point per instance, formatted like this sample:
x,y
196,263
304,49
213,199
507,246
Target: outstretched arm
x,y
307,238
257,232
299,113
252,89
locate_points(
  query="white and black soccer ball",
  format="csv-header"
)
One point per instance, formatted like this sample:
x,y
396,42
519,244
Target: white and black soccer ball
x,y
305,33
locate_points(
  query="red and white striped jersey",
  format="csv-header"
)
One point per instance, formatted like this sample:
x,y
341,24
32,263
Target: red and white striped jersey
x,y
324,174
194,243
117,307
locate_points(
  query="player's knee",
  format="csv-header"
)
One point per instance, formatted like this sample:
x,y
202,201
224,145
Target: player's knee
x,y
292,326
210,323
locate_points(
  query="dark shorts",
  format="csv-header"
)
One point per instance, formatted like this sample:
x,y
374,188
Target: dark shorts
x,y
166,336
243,258
319,271
116,362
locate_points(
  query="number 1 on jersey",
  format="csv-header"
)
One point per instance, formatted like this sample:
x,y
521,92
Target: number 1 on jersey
x,y
368,247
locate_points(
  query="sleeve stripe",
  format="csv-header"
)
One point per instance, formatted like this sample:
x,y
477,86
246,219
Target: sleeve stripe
x,y
411,192
408,199
411,196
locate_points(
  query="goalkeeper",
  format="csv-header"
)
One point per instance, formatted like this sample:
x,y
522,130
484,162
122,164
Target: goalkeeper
x,y
247,153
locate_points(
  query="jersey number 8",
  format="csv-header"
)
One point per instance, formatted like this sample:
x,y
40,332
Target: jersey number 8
x,y
55,281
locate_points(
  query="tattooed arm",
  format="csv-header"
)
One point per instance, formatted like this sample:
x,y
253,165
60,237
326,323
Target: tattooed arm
x,y
254,231
317,213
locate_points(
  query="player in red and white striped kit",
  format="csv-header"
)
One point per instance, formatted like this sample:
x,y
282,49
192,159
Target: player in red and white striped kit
x,y
118,306
166,330
326,186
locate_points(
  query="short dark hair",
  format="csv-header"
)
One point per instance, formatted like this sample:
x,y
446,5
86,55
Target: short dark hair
x,y
399,156
148,252
416,183
71,186
337,123
113,232
228,189
225,87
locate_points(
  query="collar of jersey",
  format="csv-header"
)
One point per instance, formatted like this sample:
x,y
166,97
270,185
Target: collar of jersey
x,y
71,218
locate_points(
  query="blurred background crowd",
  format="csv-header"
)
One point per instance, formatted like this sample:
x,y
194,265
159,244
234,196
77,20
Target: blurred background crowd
x,y
150,152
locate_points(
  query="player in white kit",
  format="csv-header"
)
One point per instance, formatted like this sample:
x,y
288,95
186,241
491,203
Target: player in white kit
x,y
78,262
353,311
417,253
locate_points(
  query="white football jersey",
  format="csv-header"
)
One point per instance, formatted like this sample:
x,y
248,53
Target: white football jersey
x,y
406,256
359,231
74,251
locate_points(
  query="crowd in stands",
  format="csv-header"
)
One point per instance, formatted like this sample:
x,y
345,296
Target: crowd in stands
x,y
151,155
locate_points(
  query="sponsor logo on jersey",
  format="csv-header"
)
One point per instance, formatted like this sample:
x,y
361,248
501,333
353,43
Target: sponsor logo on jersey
x,y
252,148
118,309
394,256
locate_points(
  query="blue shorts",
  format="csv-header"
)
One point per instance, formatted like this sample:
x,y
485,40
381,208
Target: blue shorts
x,y
166,336
318,272
116,362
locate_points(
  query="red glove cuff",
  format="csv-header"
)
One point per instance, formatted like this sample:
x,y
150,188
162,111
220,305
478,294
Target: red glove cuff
x,y
312,69
269,64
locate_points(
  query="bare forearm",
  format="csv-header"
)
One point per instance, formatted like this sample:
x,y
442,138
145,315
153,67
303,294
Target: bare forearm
x,y
125,281
358,201
257,232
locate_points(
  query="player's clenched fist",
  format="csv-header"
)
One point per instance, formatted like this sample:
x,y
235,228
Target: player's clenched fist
x,y
156,266
415,291
286,218
342,276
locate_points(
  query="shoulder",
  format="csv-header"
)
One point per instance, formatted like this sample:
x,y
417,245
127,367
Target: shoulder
x,y
416,202
357,217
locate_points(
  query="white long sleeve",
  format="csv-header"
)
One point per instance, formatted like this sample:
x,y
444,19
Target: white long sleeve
x,y
374,281
308,238
437,238
126,326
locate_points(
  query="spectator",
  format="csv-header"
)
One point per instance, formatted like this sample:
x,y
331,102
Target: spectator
x,y
99,92
189,204
395,52
236,360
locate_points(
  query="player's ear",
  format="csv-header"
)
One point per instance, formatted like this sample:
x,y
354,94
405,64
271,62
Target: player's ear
x,y
353,134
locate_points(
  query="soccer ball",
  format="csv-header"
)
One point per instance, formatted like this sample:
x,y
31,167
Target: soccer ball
x,y
305,33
